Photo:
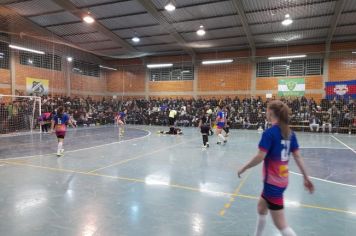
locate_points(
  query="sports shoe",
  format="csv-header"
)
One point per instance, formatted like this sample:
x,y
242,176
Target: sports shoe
x,y
207,144
204,146
218,143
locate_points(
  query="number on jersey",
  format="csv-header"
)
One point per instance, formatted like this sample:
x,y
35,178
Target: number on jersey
x,y
285,150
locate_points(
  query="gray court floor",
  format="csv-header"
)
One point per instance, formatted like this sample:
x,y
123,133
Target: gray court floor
x,y
151,184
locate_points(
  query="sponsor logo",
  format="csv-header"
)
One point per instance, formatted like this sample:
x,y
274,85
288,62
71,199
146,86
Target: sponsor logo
x,y
341,89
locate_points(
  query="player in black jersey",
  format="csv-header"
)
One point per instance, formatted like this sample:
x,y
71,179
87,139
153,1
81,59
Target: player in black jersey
x,y
205,126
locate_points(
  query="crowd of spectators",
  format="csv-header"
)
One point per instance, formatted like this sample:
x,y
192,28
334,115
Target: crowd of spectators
x,y
248,113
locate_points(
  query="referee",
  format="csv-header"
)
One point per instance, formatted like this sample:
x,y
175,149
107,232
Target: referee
x,y
172,117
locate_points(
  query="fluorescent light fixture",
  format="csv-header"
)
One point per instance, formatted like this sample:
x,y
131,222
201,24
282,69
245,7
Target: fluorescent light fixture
x,y
170,7
201,31
209,62
136,39
88,19
25,49
106,67
286,57
69,59
159,65
287,22
186,71
354,52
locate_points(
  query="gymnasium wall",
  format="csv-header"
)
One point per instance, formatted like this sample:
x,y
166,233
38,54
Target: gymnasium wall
x,y
61,82
224,80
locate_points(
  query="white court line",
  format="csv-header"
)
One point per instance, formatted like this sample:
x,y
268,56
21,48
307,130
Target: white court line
x,y
324,148
82,149
324,180
343,144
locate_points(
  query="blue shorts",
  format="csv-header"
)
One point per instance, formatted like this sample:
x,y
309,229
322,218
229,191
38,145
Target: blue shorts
x,y
273,196
220,125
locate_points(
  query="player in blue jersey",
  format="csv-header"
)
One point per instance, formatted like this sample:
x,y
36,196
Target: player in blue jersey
x,y
59,124
121,121
220,124
275,147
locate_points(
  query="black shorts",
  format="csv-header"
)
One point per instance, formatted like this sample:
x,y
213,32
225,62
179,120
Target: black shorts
x,y
204,129
60,136
171,121
272,206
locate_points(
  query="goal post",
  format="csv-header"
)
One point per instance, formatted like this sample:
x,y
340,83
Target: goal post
x,y
19,114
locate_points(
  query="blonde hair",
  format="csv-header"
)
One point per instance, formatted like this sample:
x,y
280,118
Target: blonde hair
x,y
281,111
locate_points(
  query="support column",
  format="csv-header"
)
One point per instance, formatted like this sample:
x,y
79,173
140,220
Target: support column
x,y
13,71
253,78
195,79
325,71
68,79
147,81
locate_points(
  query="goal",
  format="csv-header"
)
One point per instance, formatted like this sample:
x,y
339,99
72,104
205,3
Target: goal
x,y
19,114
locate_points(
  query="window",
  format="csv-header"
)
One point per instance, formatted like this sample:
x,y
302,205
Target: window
x,y
182,72
4,56
290,68
86,68
46,61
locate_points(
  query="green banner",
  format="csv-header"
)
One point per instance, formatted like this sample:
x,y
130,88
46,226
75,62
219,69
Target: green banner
x,y
291,87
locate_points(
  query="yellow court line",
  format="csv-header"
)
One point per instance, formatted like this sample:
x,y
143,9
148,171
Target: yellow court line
x,y
138,156
232,199
115,177
231,195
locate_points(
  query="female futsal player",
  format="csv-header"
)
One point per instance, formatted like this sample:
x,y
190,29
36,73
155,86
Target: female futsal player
x,y
220,124
59,123
276,145
121,121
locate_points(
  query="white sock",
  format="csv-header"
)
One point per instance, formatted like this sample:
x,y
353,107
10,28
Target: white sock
x,y
222,137
60,146
288,232
260,226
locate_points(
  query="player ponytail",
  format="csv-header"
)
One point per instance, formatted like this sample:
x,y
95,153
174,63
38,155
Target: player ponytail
x,y
60,111
281,111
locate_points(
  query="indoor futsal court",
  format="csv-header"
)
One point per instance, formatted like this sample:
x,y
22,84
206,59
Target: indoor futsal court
x,y
178,117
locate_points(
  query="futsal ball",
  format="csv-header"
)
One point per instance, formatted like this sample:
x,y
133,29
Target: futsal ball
x,y
209,112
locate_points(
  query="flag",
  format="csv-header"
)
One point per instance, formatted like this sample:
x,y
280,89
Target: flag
x,y
37,86
343,89
291,87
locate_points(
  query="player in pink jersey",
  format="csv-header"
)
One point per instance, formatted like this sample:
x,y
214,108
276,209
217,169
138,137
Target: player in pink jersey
x,y
275,147
59,124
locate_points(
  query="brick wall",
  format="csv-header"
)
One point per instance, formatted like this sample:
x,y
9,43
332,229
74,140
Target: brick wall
x,y
5,76
227,80
342,68
128,79
171,86
224,77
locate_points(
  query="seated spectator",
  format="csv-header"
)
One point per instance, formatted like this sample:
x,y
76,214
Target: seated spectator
x,y
246,123
314,122
326,122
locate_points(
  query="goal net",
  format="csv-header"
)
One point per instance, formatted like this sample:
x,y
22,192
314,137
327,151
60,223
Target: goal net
x,y
19,114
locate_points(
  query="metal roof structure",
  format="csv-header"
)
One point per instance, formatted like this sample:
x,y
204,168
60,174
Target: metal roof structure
x,y
229,24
